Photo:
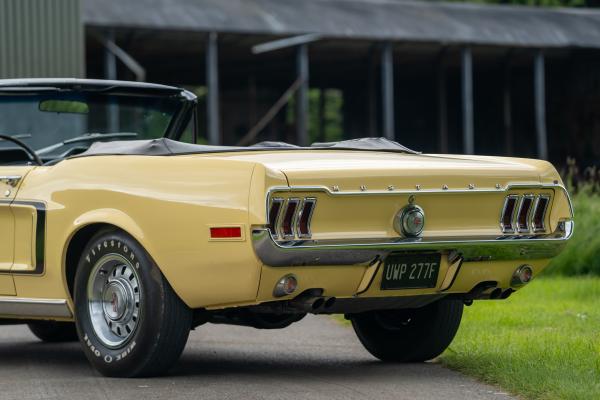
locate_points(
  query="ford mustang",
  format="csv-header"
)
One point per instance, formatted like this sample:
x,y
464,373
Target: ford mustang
x,y
118,230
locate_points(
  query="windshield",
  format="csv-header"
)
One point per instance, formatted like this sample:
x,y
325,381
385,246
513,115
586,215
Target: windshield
x,y
60,124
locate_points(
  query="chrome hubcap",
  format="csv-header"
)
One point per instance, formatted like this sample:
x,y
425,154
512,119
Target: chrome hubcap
x,y
114,295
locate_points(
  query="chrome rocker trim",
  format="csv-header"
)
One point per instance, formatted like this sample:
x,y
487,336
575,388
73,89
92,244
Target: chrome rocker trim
x,y
339,252
25,307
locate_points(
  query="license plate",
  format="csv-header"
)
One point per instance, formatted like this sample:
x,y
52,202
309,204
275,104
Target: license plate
x,y
410,271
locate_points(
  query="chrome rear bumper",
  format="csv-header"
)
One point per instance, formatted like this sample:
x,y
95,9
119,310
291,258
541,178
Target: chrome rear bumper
x,y
337,252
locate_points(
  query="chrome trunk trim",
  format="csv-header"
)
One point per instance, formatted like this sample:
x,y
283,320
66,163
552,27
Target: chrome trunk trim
x,y
26,307
344,252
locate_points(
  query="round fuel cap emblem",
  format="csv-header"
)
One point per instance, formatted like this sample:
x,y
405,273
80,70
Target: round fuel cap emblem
x,y
410,221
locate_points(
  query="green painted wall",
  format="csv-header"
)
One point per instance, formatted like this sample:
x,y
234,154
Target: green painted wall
x,y
41,38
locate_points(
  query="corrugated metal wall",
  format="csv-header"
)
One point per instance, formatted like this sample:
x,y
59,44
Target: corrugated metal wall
x,y
41,38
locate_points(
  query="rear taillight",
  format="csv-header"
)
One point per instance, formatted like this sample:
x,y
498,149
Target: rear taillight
x,y
291,218
273,217
524,213
508,213
305,217
539,214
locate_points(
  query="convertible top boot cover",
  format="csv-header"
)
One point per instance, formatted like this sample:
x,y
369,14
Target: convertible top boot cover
x,y
168,147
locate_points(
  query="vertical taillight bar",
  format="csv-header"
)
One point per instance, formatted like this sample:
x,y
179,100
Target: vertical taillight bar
x,y
508,213
289,219
539,214
524,213
305,216
273,218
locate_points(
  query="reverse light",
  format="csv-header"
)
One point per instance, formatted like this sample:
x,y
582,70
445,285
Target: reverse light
x,y
285,286
522,276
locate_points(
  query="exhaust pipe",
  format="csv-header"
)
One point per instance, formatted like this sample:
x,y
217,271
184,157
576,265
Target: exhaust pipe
x,y
312,301
329,303
308,301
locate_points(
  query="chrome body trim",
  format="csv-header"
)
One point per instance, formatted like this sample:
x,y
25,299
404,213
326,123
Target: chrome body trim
x,y
420,190
321,188
10,180
344,252
26,307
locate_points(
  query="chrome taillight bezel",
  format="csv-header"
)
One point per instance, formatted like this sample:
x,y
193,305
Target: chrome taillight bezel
x,y
525,207
542,219
510,227
522,212
273,217
290,218
304,214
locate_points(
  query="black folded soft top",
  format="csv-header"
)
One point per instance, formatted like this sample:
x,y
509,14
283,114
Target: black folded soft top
x,y
168,147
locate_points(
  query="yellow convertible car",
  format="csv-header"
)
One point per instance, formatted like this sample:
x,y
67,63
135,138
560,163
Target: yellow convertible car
x,y
117,230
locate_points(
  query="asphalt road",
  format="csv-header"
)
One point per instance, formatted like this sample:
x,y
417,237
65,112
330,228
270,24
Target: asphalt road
x,y
314,359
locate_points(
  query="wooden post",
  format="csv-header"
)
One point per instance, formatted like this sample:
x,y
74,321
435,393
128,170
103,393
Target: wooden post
x,y
467,101
302,97
540,105
212,84
387,90
507,108
442,104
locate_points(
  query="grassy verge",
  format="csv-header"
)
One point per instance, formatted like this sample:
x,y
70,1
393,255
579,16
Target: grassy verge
x,y
582,254
542,343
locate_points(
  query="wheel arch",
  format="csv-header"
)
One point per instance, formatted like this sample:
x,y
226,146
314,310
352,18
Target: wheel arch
x,y
88,225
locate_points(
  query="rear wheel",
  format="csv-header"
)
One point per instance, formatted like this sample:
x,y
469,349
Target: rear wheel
x,y
128,317
412,335
53,331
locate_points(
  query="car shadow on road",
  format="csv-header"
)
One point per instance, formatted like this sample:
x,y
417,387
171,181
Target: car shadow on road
x,y
68,358
274,367
57,355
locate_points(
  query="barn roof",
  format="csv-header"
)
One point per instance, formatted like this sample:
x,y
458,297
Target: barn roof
x,y
398,20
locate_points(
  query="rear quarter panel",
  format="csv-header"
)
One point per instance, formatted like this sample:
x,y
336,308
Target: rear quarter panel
x,y
168,204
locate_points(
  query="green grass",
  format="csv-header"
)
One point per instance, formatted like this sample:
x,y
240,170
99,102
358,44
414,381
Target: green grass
x,y
542,343
582,254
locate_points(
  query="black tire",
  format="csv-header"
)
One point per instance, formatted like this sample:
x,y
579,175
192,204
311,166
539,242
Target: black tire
x,y
53,331
413,335
163,320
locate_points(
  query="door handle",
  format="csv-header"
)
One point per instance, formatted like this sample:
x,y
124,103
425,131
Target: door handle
x,y
10,180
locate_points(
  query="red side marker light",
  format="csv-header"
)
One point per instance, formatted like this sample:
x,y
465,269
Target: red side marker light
x,y
226,232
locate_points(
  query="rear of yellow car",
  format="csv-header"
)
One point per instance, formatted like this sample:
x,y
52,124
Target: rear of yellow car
x,y
399,243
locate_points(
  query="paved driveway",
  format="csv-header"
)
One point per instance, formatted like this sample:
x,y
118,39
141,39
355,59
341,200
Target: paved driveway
x,y
314,359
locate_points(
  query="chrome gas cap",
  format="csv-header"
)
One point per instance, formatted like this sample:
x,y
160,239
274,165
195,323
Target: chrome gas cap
x,y
410,221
